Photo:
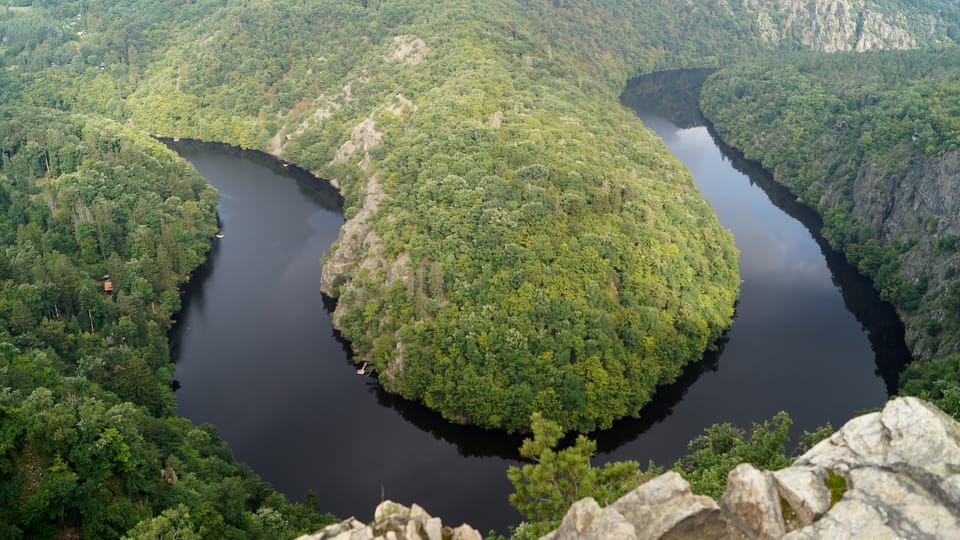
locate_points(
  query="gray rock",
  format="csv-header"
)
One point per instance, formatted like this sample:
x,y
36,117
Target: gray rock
x,y
419,514
847,520
348,529
586,520
804,491
413,530
884,504
434,529
466,532
665,507
388,509
902,466
909,436
752,504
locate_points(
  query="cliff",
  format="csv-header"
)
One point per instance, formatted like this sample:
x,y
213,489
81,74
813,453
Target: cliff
x,y
832,25
920,207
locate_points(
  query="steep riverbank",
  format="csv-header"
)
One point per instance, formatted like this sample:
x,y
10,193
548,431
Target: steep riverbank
x,y
877,160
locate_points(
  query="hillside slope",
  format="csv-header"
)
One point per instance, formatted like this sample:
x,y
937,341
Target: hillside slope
x,y
516,241
870,141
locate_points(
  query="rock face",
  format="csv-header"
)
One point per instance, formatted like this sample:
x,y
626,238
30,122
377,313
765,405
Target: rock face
x,y
890,474
392,521
921,207
829,25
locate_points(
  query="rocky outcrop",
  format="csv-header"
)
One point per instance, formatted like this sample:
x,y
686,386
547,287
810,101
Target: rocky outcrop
x,y
393,521
889,474
829,25
884,475
919,207
409,49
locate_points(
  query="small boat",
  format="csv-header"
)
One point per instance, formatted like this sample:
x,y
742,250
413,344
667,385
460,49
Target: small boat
x,y
219,235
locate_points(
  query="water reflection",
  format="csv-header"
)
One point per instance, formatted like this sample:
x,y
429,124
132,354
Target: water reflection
x,y
810,336
878,317
780,258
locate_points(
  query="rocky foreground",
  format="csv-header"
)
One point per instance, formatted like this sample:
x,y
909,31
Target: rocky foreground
x,y
889,474
392,521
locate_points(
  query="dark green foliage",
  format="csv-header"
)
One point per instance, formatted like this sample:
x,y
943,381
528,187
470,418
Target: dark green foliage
x,y
87,446
713,455
937,381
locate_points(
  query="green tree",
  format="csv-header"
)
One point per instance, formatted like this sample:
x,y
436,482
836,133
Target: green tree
x,y
558,478
713,455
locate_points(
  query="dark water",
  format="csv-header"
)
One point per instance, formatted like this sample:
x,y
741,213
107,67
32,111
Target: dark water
x,y
257,355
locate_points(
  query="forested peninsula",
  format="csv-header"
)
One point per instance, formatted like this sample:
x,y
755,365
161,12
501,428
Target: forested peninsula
x,y
516,242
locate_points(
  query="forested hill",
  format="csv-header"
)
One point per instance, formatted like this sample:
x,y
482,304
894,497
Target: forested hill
x,y
516,240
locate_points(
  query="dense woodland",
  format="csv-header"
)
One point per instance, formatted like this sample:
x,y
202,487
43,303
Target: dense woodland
x,y
99,225
528,246
849,134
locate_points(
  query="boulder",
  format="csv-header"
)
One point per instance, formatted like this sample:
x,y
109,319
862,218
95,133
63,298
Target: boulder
x,y
348,529
665,506
804,491
752,504
587,521
465,532
434,529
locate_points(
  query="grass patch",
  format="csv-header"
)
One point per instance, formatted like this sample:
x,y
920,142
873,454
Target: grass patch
x,y
837,485
790,520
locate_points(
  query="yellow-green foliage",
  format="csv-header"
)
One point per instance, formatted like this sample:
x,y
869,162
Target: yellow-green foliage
x,y
837,485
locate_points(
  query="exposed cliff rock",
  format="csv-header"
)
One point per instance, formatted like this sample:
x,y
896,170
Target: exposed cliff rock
x,y
394,521
830,25
410,49
919,207
889,474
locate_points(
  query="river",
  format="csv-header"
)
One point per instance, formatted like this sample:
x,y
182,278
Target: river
x,y
256,354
